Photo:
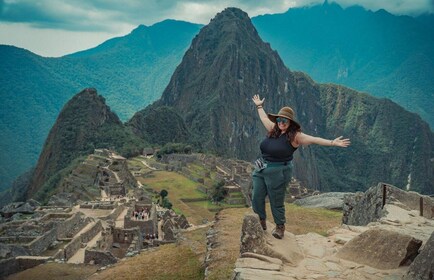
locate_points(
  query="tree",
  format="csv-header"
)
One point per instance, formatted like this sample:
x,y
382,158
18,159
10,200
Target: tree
x,y
219,192
163,194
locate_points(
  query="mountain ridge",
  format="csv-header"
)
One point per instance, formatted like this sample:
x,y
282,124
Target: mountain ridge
x,y
84,124
214,99
39,96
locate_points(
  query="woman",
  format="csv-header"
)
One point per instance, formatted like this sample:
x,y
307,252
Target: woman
x,y
273,173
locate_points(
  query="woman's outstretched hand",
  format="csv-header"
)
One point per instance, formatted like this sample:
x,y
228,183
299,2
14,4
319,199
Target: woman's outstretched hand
x,y
339,142
257,100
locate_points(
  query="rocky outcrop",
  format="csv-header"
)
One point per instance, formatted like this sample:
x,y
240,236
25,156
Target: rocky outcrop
x,y
362,208
255,240
381,249
331,200
17,207
423,265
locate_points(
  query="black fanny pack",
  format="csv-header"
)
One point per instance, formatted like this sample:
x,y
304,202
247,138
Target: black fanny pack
x,y
260,165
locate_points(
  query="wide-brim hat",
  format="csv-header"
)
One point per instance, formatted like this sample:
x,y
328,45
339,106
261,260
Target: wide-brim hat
x,y
285,112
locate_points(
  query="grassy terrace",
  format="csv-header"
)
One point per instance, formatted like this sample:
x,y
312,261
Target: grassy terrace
x,y
180,187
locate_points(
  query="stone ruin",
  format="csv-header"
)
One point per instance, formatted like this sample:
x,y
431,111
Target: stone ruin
x,y
102,170
93,231
53,234
362,208
235,173
148,226
171,224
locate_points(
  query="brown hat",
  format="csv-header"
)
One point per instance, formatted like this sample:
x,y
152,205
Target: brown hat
x,y
285,112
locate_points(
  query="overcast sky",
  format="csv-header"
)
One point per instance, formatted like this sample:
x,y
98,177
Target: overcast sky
x,y
59,27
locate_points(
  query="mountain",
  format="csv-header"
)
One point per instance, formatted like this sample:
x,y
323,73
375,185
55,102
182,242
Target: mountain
x,y
131,71
374,52
84,124
228,62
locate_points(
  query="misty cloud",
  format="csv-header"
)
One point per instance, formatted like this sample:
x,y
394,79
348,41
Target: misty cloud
x,y
114,15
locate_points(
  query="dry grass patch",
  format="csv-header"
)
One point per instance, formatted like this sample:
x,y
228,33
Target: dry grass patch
x,y
54,271
163,263
224,256
301,220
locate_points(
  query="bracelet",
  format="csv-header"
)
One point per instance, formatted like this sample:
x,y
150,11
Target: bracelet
x,y
331,142
259,106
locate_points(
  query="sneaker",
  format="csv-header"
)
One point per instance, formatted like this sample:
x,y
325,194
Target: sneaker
x,y
279,231
263,224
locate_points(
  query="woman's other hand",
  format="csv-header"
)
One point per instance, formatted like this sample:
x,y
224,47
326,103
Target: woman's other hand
x,y
339,142
257,100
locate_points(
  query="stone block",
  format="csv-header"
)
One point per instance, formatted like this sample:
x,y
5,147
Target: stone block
x,y
382,249
423,265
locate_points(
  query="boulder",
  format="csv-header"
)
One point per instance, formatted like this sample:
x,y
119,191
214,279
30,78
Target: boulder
x,y
423,265
382,249
255,240
17,207
331,200
252,235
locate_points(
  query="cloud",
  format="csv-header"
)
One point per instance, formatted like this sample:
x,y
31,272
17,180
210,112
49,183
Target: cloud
x,y
115,15
399,7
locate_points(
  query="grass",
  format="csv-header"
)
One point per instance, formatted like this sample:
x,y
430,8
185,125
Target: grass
x,y
54,271
301,220
162,263
225,255
136,163
180,187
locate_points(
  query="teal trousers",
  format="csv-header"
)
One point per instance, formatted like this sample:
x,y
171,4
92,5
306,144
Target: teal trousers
x,y
271,182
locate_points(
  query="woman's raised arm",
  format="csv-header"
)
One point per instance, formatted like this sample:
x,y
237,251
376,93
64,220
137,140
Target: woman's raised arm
x,y
262,115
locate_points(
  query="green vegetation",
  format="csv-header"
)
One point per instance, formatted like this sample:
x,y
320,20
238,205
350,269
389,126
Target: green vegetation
x,y
218,193
84,124
172,148
49,188
180,188
131,71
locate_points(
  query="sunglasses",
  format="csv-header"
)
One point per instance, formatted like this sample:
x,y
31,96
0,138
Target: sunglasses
x,y
282,120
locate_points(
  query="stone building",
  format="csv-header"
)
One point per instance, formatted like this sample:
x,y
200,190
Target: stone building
x,y
148,226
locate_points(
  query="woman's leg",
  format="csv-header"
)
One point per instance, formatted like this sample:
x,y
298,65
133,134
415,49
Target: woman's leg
x,y
258,195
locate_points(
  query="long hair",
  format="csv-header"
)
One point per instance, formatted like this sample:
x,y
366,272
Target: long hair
x,y
290,132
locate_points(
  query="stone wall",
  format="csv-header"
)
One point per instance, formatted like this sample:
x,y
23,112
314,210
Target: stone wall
x,y
146,227
8,267
105,205
99,257
71,226
15,265
51,216
168,230
72,248
17,239
40,244
92,232
121,235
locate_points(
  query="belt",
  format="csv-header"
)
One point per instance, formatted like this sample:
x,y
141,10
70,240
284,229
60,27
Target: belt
x,y
278,163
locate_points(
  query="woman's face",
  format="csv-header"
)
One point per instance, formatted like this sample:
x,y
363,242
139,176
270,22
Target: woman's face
x,y
283,123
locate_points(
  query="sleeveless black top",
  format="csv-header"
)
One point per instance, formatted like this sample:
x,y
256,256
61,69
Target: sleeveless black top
x,y
277,149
